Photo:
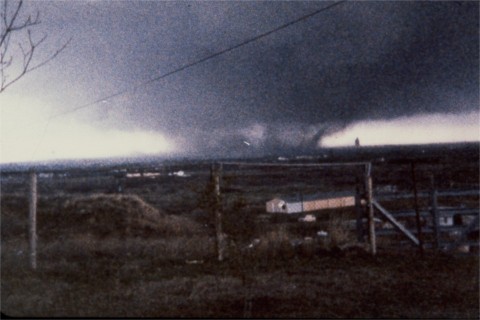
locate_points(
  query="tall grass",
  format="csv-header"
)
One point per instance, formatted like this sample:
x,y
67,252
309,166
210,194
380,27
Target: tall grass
x,y
338,230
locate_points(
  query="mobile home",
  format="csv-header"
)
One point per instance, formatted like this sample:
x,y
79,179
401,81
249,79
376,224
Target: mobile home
x,y
305,203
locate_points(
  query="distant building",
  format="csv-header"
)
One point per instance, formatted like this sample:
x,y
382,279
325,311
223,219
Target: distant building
x,y
445,221
357,142
310,202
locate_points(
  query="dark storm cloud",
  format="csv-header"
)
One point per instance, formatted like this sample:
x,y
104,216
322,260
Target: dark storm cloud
x,y
342,71
362,61
356,61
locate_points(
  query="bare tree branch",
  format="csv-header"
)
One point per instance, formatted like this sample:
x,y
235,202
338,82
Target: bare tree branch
x,y
11,24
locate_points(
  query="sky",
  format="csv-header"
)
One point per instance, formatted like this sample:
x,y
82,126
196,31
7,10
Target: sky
x,y
403,72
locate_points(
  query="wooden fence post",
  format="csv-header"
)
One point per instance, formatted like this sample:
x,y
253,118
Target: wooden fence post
x,y
434,212
359,214
216,171
417,212
32,220
371,220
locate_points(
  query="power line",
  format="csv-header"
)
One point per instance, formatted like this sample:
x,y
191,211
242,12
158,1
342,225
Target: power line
x,y
186,66
209,57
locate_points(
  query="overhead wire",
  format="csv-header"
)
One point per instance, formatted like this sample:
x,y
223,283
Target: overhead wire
x,y
186,66
202,60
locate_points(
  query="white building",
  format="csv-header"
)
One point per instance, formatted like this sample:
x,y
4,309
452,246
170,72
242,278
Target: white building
x,y
445,221
307,203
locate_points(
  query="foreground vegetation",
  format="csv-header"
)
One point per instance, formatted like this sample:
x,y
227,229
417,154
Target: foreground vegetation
x,y
94,264
151,251
130,284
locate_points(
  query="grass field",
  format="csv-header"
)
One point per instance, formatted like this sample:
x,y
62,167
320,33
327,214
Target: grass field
x,y
151,251
148,280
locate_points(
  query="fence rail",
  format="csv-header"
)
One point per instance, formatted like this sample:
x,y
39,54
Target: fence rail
x,y
444,193
428,213
457,230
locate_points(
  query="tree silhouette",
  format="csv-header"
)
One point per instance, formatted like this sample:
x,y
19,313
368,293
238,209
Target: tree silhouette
x,y
15,28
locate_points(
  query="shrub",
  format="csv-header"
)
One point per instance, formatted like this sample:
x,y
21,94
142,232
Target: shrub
x,y
276,243
338,230
105,215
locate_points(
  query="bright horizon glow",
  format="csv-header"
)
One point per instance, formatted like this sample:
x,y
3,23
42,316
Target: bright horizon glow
x,y
83,142
25,136
421,129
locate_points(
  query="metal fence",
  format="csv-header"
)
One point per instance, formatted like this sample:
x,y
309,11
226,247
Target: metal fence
x,y
405,198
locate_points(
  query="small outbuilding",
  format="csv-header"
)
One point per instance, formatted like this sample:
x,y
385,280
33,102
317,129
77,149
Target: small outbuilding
x,y
445,221
305,203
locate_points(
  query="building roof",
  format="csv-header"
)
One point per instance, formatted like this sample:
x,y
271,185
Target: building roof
x,y
317,196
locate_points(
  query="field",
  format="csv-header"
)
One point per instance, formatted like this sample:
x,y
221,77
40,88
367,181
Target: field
x,y
138,240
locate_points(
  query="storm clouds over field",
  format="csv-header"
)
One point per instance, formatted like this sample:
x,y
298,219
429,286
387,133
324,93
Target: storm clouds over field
x,y
355,62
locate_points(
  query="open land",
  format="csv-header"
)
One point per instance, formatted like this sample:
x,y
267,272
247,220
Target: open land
x,y
142,244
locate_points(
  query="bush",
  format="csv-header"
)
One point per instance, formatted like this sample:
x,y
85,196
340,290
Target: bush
x,y
105,215
239,220
338,230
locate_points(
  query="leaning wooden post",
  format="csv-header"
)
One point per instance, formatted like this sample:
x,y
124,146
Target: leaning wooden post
x,y
434,212
32,220
371,221
216,170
